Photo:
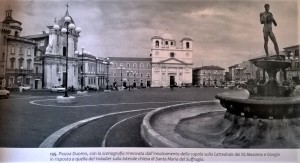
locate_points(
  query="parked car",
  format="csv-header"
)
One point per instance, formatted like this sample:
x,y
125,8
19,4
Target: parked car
x,y
24,87
91,87
57,89
3,92
12,87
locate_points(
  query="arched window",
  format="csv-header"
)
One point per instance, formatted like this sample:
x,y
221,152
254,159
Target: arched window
x,y
172,54
156,44
187,45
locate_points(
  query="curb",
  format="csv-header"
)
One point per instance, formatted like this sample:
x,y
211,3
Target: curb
x,y
54,139
155,139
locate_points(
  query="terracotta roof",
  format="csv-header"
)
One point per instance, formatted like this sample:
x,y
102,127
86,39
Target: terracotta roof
x,y
212,67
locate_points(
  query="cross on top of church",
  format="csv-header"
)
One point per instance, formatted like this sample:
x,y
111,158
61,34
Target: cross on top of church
x,y
67,12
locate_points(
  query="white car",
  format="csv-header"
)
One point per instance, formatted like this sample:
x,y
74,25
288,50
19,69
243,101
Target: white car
x,y
3,92
24,87
58,89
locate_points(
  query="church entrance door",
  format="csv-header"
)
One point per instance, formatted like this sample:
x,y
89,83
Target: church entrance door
x,y
172,80
64,79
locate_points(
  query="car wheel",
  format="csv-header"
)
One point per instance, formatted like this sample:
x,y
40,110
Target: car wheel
x,y
6,96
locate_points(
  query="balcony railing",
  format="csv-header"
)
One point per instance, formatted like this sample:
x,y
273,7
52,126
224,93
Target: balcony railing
x,y
19,71
37,74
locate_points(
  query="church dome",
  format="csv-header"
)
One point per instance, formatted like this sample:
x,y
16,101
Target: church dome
x,y
167,36
62,23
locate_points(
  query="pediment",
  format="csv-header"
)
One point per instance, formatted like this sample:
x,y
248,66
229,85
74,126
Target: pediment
x,y
172,61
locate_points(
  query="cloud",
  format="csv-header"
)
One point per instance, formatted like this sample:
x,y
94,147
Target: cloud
x,y
224,32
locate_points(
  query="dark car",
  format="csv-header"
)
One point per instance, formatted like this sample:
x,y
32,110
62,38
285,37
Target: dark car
x,y
91,88
12,88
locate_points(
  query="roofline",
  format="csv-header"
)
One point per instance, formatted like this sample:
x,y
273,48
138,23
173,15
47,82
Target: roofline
x,y
37,36
129,59
212,66
294,46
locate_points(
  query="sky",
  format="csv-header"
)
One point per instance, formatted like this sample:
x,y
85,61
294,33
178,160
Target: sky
x,y
224,32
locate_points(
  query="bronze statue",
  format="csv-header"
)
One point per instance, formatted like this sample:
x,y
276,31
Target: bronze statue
x,y
266,18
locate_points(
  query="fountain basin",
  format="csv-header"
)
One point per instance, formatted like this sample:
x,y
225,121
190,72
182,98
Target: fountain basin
x,y
208,125
240,103
272,64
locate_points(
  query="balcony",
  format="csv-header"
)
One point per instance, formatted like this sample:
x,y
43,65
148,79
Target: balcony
x,y
19,71
37,75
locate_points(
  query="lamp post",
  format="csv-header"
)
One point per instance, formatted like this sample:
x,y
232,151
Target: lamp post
x,y
121,68
81,69
290,58
22,76
107,63
134,75
128,72
68,30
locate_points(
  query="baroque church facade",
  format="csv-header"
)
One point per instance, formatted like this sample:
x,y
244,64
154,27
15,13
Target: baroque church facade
x,y
171,62
55,56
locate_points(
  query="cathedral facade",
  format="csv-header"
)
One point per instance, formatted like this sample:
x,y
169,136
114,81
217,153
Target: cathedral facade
x,y
171,62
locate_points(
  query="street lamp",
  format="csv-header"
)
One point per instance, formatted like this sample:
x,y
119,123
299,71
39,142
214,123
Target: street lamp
x,y
82,52
67,31
128,72
290,57
107,63
121,68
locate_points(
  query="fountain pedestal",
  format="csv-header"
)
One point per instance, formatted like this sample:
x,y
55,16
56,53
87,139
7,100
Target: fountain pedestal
x,y
272,87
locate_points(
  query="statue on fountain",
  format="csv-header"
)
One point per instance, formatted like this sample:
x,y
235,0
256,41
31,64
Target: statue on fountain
x,y
266,18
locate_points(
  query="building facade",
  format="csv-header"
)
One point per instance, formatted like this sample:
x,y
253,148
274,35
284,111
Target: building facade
x,y
292,54
127,71
93,71
208,76
171,63
55,56
17,54
243,71
42,41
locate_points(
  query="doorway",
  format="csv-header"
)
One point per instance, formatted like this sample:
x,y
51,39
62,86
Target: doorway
x,y
148,83
36,83
64,79
172,80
